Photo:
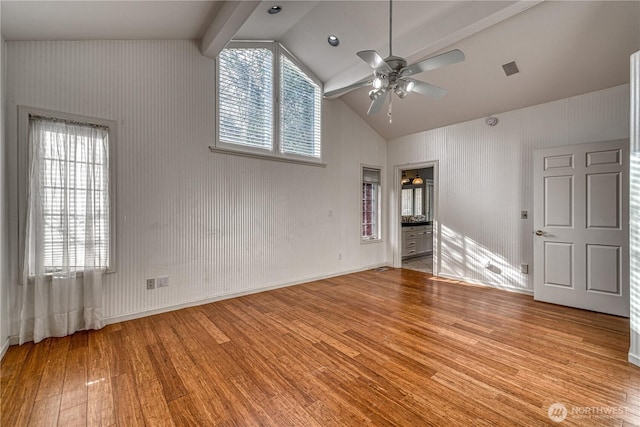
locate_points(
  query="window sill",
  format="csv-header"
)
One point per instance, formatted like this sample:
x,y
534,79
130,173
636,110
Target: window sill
x,y
215,149
369,241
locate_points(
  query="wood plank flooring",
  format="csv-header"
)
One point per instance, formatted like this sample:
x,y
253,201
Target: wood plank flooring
x,y
397,347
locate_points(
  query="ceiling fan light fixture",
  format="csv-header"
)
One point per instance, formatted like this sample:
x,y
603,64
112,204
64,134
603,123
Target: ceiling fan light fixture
x,y
403,87
380,83
333,40
409,86
274,9
400,92
375,93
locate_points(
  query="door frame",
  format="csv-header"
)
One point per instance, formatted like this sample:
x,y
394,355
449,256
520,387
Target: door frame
x,y
396,212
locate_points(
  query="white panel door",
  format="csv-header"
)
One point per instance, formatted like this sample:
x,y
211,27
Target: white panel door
x,y
581,238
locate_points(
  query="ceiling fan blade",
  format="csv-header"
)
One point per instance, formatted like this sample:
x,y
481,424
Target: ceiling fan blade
x,y
427,89
339,92
374,60
434,62
377,103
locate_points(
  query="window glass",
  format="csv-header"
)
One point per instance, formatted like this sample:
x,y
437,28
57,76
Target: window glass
x,y
300,110
371,192
267,107
245,97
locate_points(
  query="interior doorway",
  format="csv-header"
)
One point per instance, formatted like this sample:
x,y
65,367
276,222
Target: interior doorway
x,y
416,219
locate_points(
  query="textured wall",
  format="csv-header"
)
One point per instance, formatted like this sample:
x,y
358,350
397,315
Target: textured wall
x,y
634,209
485,179
216,224
4,211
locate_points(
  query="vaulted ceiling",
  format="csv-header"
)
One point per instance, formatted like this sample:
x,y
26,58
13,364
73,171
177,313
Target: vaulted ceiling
x,y
562,48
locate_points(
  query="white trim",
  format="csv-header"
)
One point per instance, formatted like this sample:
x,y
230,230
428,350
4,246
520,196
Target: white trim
x,y
634,359
489,284
381,196
5,347
255,155
132,316
369,241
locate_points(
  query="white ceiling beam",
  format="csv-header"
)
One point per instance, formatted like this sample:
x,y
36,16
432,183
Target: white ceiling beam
x,y
228,20
450,30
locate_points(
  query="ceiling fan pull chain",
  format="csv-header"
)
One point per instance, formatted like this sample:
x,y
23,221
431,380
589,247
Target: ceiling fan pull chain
x,y
389,113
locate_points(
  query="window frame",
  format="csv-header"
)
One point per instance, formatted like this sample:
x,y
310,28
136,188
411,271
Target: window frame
x,y
275,153
23,172
380,195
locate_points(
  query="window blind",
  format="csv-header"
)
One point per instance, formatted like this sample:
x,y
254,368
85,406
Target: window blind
x,y
371,175
300,110
245,90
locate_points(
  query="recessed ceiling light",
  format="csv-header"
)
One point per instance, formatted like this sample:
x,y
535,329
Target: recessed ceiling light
x,y
274,9
333,40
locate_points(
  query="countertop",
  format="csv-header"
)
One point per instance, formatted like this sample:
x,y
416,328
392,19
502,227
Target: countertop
x,y
415,224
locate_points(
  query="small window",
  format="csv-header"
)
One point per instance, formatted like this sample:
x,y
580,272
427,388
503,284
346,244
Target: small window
x,y
412,201
371,192
267,103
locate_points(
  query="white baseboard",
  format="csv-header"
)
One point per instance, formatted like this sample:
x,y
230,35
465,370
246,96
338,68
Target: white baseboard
x,y
634,358
490,285
138,315
5,347
14,340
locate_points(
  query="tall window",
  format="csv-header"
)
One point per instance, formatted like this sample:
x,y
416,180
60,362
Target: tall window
x,y
66,215
371,192
245,100
69,206
267,103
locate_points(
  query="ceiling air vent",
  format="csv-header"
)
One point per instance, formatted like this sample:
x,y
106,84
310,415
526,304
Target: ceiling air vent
x,y
510,68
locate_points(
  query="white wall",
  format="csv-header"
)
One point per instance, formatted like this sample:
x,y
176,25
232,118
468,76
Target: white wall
x,y
4,211
485,179
216,224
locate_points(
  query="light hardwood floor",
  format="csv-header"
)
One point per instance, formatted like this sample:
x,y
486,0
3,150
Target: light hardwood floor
x,y
374,348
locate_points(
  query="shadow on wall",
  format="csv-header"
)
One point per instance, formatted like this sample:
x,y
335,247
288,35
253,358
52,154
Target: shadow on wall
x,y
463,257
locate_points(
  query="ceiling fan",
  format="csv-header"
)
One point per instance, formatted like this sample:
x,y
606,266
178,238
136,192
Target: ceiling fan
x,y
392,75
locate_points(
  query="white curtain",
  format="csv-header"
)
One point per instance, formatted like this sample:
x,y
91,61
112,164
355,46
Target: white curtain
x,y
67,229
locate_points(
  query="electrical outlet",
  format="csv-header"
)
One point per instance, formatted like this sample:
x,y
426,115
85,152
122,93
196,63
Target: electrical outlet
x,y
163,281
524,268
151,284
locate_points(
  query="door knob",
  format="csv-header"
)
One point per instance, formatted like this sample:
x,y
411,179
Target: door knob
x,y
539,233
